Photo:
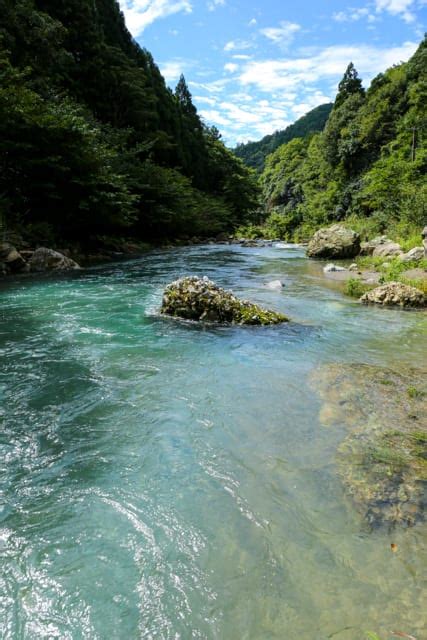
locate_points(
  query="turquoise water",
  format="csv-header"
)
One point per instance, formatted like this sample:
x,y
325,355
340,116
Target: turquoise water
x,y
165,481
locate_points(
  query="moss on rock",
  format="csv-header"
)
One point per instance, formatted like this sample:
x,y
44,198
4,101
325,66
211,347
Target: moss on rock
x,y
200,299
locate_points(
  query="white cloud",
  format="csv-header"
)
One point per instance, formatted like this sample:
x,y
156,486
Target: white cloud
x,y
215,117
214,4
253,22
217,86
140,14
397,8
172,70
282,35
231,67
325,64
237,44
241,56
210,101
353,15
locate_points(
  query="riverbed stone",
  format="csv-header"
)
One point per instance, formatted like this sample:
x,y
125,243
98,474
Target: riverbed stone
x,y
200,299
395,294
382,458
275,285
331,268
44,259
336,241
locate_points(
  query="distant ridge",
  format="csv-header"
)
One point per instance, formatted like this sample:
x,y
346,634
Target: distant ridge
x,y
254,154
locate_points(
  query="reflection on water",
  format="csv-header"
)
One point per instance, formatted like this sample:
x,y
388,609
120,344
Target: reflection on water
x,y
162,480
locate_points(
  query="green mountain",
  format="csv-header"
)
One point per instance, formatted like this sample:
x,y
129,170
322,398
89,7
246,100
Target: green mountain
x,y
254,154
367,167
92,142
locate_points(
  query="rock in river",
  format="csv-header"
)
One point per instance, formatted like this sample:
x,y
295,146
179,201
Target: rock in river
x,y
49,260
334,242
194,298
395,294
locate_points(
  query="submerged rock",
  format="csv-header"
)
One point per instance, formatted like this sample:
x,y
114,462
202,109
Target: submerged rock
x,y
334,242
194,298
330,268
382,461
275,284
44,259
395,294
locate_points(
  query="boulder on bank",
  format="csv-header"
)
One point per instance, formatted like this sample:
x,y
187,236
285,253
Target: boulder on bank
x,y
44,259
414,255
11,259
200,299
334,242
387,250
368,248
395,294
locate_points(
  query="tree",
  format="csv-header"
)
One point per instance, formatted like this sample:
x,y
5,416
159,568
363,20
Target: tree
x,y
350,84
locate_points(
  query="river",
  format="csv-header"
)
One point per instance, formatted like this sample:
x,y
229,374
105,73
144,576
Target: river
x,y
167,481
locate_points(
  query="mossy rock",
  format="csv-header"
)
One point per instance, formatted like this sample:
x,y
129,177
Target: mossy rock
x,y
200,299
382,462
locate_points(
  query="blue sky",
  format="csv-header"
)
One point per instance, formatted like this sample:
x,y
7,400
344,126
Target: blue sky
x,y
255,66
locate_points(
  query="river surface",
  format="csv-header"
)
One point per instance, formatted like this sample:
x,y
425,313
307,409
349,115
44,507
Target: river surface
x,y
166,481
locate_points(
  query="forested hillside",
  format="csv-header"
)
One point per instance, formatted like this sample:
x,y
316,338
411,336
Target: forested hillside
x,y
254,154
92,142
368,166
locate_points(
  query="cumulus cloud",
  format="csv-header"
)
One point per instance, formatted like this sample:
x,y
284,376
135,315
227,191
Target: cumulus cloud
x,y
231,67
327,63
232,45
282,35
397,8
140,14
354,15
214,4
171,70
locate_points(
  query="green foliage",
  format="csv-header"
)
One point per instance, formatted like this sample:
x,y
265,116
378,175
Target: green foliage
x,y
93,142
254,154
356,288
367,168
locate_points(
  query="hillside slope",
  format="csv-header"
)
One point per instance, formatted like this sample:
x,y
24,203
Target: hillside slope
x,y
93,142
254,154
369,165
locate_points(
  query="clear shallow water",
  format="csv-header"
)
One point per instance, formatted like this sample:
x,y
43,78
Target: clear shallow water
x,y
164,481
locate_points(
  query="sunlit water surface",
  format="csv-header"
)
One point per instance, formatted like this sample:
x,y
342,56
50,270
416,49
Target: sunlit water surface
x,y
165,481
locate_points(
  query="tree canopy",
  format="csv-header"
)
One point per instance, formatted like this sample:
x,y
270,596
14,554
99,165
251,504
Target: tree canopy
x,y
92,141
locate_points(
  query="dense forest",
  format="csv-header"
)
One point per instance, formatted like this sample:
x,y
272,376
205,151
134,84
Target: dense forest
x,y
254,154
367,167
93,143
